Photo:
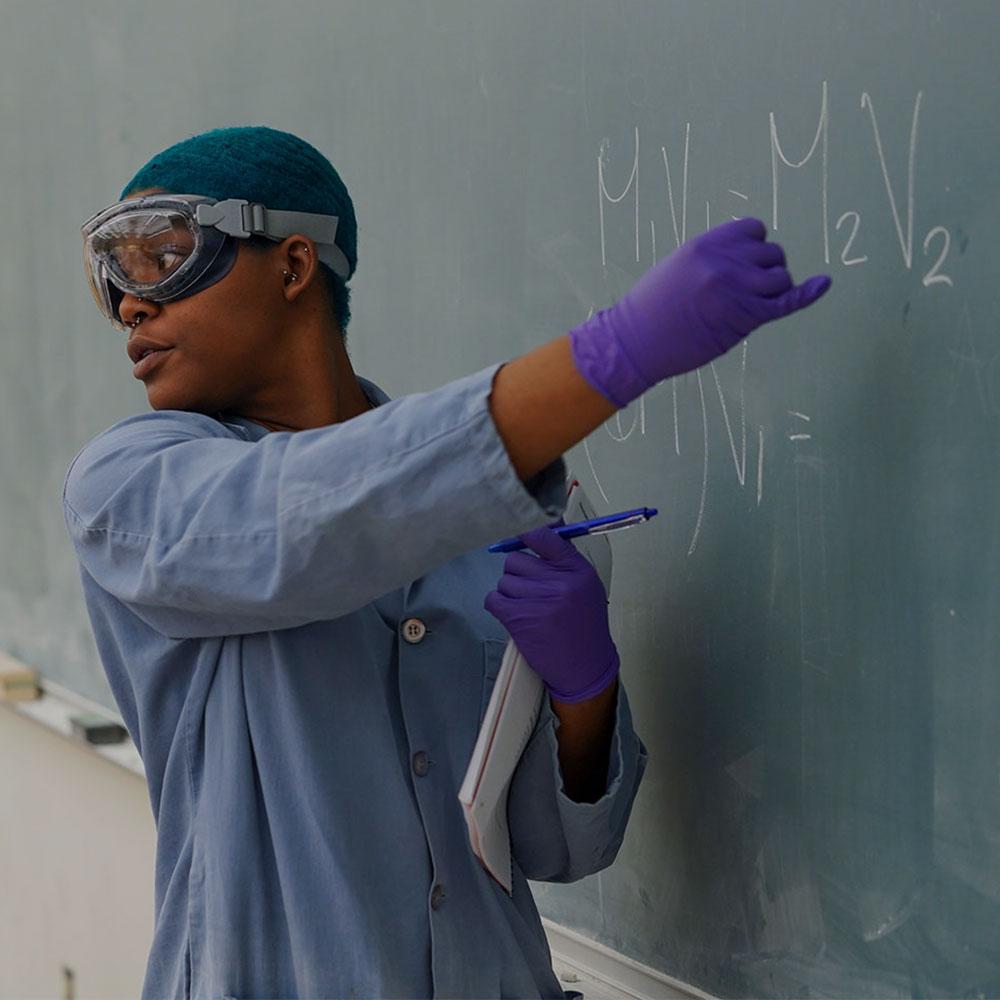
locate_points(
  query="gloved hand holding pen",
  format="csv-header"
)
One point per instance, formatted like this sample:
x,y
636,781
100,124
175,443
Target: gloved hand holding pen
x,y
555,608
689,309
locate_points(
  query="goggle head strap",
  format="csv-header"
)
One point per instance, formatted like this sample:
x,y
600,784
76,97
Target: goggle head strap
x,y
238,217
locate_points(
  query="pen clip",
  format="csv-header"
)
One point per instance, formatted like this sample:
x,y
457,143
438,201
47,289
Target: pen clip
x,y
626,522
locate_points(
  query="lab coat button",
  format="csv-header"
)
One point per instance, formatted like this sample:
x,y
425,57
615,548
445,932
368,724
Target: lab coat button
x,y
414,630
420,762
437,897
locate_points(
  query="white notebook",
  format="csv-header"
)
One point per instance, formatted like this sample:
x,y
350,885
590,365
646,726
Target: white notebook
x,y
510,720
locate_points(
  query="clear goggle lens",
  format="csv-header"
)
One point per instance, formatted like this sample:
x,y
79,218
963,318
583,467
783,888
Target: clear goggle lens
x,y
152,251
144,249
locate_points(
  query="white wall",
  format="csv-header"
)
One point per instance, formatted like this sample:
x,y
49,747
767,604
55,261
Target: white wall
x,y
77,848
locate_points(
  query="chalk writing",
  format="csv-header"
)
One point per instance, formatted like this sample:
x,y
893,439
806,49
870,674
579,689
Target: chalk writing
x,y
849,224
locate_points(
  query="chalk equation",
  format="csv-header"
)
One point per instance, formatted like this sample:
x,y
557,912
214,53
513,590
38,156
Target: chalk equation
x,y
849,227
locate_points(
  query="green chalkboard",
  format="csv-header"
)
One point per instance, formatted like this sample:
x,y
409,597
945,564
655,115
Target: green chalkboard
x,y
808,630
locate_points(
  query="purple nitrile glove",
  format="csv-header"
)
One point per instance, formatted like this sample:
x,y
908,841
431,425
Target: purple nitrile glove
x,y
688,309
556,611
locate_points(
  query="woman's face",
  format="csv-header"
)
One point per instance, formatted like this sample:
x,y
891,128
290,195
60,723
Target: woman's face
x,y
227,348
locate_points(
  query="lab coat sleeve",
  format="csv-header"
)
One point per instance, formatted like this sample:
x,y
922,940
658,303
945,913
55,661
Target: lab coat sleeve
x,y
208,535
553,838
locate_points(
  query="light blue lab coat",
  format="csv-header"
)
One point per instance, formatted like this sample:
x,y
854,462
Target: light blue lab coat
x,y
248,591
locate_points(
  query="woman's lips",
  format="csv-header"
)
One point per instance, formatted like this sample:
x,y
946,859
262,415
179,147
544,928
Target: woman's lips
x,y
149,363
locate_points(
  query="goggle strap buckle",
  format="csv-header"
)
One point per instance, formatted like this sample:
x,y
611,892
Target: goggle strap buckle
x,y
255,218
241,218
227,216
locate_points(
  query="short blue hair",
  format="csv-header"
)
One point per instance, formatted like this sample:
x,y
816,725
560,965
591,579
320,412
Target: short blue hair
x,y
266,165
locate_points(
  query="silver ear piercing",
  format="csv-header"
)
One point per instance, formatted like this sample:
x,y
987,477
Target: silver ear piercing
x,y
294,277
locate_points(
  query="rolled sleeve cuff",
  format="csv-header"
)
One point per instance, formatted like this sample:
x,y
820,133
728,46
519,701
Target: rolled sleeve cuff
x,y
627,760
574,839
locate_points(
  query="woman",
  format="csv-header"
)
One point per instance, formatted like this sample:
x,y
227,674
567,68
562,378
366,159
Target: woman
x,y
289,588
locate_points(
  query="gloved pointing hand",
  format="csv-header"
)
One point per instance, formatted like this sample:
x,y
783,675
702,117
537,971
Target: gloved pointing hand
x,y
556,611
688,309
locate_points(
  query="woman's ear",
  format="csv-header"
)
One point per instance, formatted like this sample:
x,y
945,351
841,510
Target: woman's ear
x,y
299,264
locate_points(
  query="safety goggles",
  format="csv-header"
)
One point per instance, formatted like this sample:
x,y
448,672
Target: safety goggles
x,y
168,246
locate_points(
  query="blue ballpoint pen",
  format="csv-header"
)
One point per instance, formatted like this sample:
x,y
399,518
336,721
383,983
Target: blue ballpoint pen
x,y
595,526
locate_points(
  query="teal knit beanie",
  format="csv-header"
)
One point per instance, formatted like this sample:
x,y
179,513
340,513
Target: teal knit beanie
x,y
262,164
